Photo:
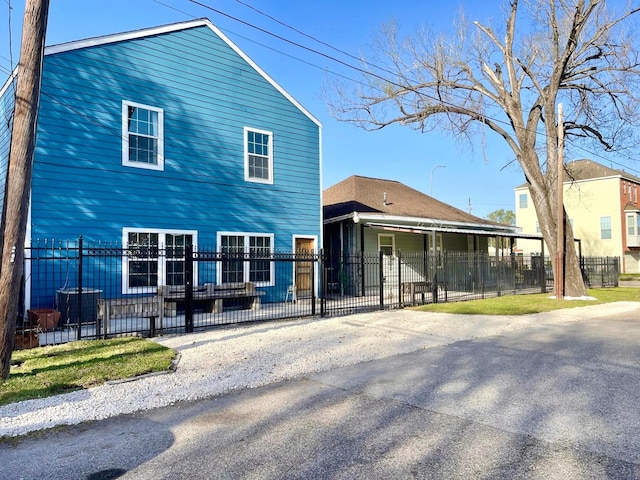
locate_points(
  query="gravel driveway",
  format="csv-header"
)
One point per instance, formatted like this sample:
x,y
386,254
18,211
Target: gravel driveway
x,y
220,360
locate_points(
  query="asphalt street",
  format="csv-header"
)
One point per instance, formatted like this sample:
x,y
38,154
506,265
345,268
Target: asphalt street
x,y
547,402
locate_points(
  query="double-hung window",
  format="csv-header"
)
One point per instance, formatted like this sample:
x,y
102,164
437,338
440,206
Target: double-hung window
x,y
386,244
142,254
247,257
438,246
154,258
631,224
142,136
605,228
524,200
258,156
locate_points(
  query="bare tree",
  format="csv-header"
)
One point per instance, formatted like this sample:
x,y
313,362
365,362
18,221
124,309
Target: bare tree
x,y
574,52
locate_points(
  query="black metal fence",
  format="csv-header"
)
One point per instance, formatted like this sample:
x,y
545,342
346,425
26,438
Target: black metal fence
x,y
600,271
75,291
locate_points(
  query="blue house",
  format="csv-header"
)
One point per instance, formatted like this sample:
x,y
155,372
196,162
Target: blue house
x,y
162,138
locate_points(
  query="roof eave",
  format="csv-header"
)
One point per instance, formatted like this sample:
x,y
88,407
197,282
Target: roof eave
x,y
369,217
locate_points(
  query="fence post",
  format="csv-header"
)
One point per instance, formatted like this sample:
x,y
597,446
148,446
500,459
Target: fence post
x,y
514,268
400,278
434,263
323,282
80,247
484,265
381,278
498,277
445,272
363,276
313,287
188,288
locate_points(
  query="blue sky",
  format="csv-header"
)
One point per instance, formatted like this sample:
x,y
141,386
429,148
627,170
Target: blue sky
x,y
485,181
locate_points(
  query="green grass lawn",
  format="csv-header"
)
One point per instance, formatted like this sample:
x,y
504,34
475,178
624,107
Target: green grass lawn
x,y
46,371
524,304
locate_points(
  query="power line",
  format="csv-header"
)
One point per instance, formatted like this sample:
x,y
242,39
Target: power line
x,y
316,52
322,42
358,69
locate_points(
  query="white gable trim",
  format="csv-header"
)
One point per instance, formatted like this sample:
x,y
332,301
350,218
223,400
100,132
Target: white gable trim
x,y
119,37
147,32
9,81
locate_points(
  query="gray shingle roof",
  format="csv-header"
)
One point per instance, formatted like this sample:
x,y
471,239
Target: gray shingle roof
x,y
364,194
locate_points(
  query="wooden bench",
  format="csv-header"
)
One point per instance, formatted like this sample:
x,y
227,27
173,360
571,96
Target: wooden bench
x,y
212,298
131,307
420,288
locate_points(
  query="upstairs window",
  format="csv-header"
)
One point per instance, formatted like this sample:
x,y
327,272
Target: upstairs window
x,y
523,200
142,136
605,228
258,156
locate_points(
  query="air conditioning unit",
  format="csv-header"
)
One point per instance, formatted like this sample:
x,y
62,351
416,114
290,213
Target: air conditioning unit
x,y
68,303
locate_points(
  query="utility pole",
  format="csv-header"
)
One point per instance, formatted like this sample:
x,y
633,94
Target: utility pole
x,y
559,277
18,188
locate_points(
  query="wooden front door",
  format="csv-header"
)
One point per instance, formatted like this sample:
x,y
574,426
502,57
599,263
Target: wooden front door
x,y
303,270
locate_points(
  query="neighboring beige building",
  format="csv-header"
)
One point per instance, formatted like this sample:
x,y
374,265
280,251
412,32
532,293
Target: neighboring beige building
x,y
603,208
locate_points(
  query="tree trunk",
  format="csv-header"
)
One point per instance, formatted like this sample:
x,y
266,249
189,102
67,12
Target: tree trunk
x,y
23,137
545,202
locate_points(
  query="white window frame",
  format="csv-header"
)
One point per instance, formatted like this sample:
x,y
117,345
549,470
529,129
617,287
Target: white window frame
x,y
386,245
246,273
245,147
159,166
603,230
631,224
438,242
523,201
162,235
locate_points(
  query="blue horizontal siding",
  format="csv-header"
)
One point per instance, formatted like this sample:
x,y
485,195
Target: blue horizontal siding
x,y
6,122
208,94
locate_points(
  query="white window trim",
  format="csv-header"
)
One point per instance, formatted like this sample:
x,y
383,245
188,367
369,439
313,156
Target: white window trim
x,y
523,201
438,242
610,229
245,270
162,233
247,178
393,242
125,137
